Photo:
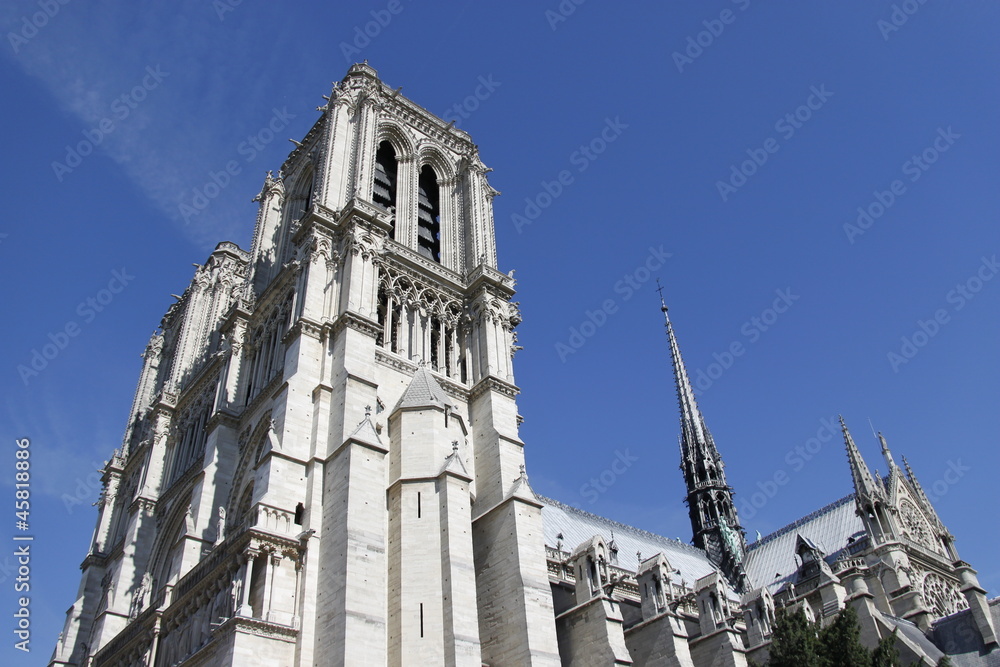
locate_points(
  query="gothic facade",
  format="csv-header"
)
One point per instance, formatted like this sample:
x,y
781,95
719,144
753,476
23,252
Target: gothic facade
x,y
322,463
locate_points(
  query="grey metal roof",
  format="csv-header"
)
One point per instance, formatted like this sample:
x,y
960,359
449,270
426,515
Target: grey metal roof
x,y
578,526
423,391
828,528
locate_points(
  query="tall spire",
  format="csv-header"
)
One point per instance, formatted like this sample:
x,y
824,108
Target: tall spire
x,y
713,515
865,487
692,422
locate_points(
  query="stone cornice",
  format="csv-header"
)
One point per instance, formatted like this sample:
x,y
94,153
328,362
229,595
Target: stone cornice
x,y
493,383
358,210
233,250
351,320
260,628
94,560
409,261
410,113
302,326
223,417
487,277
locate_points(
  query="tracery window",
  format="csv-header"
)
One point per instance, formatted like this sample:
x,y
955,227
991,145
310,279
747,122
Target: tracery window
x,y
942,595
421,324
915,526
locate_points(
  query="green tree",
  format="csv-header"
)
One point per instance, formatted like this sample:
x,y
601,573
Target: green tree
x,y
945,661
840,642
886,654
794,643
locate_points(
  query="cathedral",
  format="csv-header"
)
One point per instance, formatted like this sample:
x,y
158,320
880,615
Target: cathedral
x,y
322,464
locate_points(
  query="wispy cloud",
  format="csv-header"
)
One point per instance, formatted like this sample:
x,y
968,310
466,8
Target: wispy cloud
x,y
91,54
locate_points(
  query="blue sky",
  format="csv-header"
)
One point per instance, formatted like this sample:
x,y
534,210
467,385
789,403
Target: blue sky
x,y
739,138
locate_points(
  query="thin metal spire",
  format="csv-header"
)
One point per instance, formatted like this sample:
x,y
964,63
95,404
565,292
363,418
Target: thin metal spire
x,y
692,422
723,539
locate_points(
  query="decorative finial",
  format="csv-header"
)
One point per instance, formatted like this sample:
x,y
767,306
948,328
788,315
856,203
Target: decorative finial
x,y
368,411
454,446
638,556
523,473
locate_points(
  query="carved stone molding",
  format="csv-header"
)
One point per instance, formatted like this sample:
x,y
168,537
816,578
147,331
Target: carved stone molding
x,y
349,320
491,383
305,327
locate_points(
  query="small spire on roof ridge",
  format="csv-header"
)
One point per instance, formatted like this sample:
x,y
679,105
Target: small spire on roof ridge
x,y
886,453
524,474
454,446
368,411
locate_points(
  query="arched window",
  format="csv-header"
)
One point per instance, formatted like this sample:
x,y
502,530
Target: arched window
x,y
429,215
384,188
301,200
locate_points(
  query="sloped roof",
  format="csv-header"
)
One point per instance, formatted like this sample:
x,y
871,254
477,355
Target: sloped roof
x,y
578,526
366,433
828,528
424,391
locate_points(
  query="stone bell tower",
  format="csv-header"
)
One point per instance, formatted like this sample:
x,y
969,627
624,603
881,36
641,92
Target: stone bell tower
x,y
323,465
428,543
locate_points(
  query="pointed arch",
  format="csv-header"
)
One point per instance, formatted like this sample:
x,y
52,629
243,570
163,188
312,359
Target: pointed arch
x,y
429,214
166,559
385,182
393,133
